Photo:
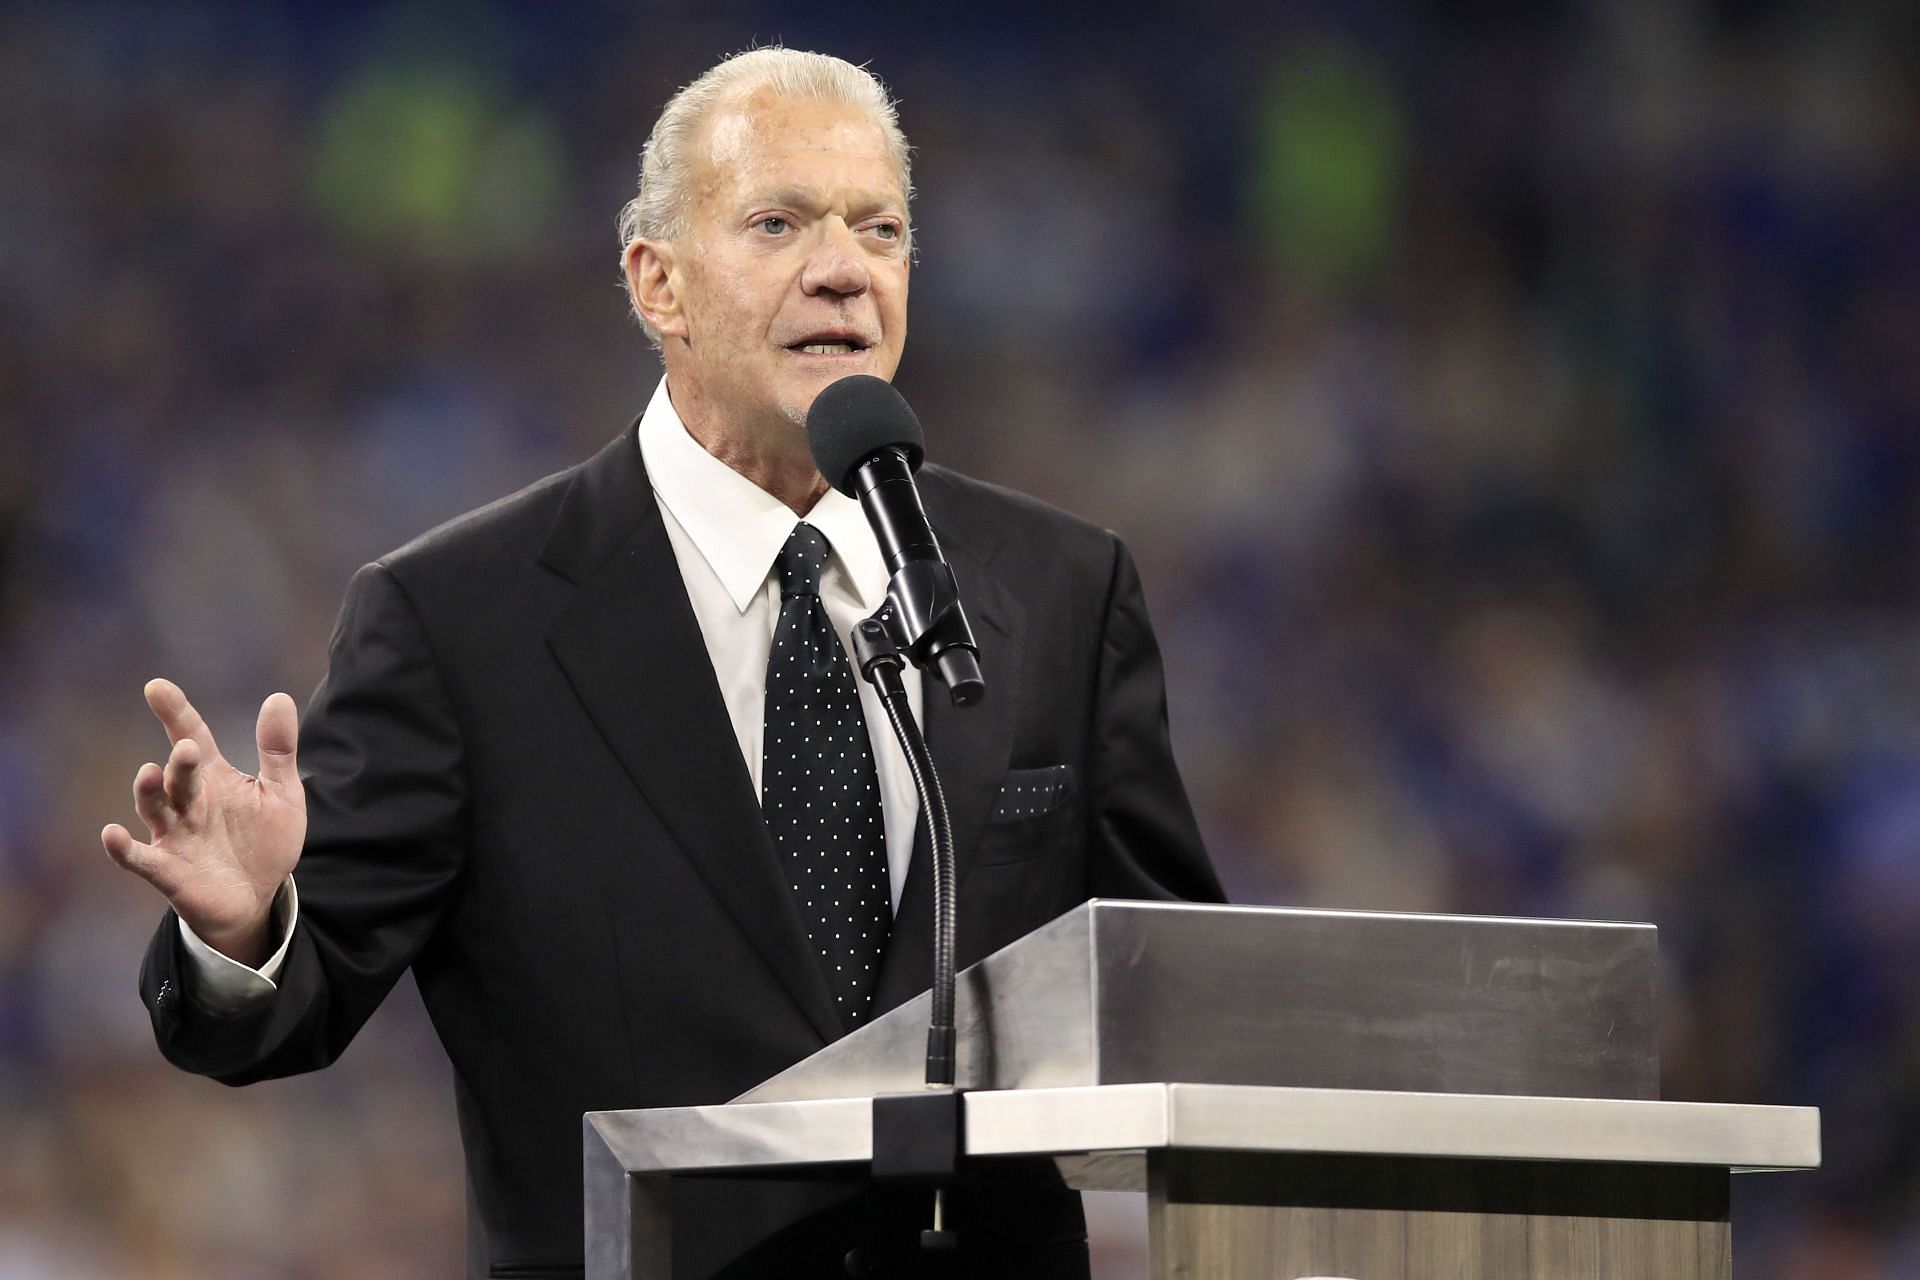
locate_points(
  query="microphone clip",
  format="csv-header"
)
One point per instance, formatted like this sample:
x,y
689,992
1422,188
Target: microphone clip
x,y
922,622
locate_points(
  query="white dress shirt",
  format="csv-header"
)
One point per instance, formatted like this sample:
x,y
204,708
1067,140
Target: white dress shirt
x,y
725,532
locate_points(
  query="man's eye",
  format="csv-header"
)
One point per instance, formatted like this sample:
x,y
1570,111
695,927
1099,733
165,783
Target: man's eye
x,y
773,226
885,230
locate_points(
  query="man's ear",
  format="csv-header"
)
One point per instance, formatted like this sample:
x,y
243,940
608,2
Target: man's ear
x,y
655,287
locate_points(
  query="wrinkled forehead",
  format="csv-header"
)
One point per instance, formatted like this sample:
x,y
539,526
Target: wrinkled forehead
x,y
762,134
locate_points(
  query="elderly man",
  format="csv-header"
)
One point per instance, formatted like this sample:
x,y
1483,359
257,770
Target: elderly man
x,y
545,767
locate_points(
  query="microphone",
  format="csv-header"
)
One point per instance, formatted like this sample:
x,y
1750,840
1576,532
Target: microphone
x,y
868,443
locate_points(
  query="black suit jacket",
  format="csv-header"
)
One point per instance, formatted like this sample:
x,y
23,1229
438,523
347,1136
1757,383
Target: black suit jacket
x,y
522,781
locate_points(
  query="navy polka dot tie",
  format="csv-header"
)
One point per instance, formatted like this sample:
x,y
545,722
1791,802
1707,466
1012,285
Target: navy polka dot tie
x,y
818,788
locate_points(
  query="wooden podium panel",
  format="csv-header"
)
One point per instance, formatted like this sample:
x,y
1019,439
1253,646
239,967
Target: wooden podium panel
x,y
1239,1216
1245,1181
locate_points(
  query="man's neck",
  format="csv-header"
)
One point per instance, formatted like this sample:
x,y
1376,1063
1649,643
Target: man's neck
x,y
778,461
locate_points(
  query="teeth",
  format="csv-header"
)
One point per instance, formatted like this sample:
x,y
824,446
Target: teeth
x,y
828,348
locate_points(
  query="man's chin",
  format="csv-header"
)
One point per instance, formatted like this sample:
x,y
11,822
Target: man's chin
x,y
795,413
801,390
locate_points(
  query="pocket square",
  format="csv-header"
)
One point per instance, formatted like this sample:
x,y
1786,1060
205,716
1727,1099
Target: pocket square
x,y
1027,793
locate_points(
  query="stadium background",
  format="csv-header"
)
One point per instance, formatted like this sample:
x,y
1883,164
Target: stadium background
x,y
1515,410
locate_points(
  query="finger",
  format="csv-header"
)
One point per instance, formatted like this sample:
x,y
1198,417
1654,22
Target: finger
x,y
150,799
117,841
277,735
183,774
145,861
178,717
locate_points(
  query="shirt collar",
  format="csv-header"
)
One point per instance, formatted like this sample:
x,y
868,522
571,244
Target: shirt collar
x,y
737,526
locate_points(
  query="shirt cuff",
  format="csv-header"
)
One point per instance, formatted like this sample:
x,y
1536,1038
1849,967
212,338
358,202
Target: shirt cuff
x,y
224,985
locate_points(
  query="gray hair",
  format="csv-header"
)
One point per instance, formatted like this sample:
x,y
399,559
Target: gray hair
x,y
659,210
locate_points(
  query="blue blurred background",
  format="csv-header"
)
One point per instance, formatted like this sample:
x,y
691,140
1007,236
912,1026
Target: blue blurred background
x,y
1515,410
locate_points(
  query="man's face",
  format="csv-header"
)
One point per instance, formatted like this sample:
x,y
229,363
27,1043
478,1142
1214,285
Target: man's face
x,y
793,271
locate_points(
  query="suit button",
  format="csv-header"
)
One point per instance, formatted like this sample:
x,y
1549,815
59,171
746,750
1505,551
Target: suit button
x,y
856,1262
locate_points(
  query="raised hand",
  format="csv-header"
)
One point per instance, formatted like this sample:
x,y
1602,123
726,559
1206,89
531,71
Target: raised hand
x,y
221,842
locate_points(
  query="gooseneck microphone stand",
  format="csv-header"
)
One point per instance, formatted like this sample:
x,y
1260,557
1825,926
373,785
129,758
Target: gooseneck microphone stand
x,y
918,1137
881,663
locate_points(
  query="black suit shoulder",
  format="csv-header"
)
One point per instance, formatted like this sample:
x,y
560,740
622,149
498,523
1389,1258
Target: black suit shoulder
x,y
981,505
508,565
1039,551
977,512
507,528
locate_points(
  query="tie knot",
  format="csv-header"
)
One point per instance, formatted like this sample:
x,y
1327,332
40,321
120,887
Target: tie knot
x,y
801,560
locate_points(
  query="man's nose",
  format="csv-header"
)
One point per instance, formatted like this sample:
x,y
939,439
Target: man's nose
x,y
837,264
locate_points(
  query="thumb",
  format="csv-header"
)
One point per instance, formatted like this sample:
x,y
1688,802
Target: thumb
x,y
276,735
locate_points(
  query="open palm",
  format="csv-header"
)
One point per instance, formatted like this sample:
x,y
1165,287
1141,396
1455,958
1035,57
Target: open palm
x,y
220,842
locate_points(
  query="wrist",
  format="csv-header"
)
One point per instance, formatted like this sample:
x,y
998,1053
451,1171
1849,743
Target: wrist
x,y
249,944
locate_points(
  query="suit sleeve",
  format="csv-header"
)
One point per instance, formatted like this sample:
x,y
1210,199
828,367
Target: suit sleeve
x,y
385,776
1144,841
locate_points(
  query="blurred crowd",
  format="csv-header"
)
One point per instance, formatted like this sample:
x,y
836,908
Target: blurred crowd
x,y
1515,411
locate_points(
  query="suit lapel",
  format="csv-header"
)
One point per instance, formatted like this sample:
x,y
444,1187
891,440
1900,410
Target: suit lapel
x,y
971,749
633,653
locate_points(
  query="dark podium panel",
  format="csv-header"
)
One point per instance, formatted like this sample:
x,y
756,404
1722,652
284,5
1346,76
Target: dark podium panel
x,y
1299,1093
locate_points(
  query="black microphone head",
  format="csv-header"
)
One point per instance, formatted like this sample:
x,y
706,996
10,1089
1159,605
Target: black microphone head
x,y
854,418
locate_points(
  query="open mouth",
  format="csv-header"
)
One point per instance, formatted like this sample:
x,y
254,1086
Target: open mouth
x,y
829,344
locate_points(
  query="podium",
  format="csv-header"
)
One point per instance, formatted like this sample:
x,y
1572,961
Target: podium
x,y
1299,1094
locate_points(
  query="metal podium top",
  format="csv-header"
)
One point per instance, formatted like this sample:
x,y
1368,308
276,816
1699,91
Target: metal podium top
x,y
1119,992
1128,1120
